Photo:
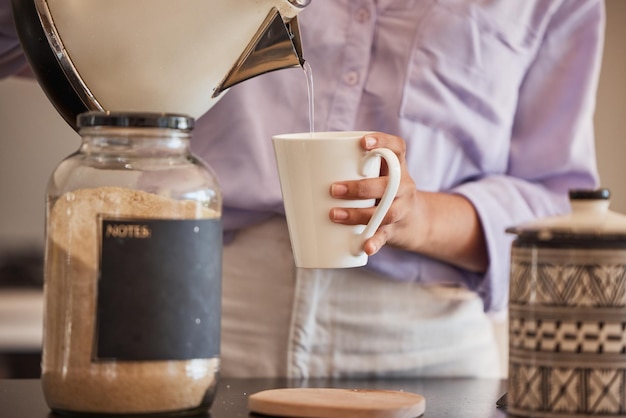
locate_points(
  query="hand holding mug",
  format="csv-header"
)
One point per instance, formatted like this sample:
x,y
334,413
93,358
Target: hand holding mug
x,y
308,163
396,223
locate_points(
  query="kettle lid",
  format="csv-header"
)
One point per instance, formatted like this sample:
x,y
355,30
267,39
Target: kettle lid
x,y
590,219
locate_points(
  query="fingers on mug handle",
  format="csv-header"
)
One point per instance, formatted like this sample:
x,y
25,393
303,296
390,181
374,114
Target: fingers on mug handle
x,y
389,195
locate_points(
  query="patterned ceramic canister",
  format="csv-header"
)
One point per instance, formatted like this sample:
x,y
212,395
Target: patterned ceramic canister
x,y
567,313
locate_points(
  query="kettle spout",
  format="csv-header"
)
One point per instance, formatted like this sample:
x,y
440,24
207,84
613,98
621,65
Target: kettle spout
x,y
276,45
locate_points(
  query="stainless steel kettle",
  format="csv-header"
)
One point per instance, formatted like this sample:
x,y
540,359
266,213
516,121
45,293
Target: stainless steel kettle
x,y
153,55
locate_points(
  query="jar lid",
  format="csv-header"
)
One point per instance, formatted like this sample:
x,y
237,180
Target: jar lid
x,y
135,120
590,219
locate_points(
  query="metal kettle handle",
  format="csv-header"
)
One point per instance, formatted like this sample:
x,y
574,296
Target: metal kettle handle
x,y
300,3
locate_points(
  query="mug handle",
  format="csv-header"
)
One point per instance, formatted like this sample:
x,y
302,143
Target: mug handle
x,y
393,165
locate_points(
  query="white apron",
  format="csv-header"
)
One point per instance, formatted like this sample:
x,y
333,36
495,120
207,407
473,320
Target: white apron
x,y
278,320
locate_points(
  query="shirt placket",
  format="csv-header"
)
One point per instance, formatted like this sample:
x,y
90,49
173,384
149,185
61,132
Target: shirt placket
x,y
354,67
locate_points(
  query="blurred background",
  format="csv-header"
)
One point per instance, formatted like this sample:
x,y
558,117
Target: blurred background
x,y
34,139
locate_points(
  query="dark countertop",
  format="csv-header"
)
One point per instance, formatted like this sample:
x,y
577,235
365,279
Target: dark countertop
x,y
445,397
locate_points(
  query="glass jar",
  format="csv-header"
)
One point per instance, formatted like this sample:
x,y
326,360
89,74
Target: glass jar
x,y
132,271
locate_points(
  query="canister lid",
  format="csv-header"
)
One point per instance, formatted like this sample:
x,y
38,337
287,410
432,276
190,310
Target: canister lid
x,y
135,120
590,219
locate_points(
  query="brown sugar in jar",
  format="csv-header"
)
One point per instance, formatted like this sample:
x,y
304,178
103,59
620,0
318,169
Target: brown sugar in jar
x,y
133,272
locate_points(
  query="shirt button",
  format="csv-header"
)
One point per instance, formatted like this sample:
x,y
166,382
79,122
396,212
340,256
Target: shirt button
x,y
351,78
363,15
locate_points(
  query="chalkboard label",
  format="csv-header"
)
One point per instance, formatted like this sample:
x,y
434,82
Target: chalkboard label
x,y
159,290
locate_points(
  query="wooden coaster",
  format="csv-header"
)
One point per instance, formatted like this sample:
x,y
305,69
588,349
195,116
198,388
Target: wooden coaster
x,y
337,403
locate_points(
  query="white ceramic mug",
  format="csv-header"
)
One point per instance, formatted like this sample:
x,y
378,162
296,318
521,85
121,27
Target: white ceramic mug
x,y
308,163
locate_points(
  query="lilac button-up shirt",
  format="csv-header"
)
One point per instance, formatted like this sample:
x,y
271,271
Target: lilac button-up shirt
x,y
495,99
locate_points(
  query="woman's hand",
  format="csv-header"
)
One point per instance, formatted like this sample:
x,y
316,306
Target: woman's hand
x,y
439,225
